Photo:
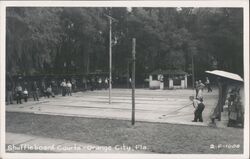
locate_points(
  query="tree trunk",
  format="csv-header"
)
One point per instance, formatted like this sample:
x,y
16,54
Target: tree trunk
x,y
223,90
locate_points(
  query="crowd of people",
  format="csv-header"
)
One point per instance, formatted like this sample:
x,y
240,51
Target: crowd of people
x,y
235,107
199,87
22,90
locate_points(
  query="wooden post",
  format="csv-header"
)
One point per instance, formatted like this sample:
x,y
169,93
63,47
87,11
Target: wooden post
x,y
128,74
133,80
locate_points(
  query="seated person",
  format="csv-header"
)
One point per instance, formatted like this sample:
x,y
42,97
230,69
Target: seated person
x,y
49,92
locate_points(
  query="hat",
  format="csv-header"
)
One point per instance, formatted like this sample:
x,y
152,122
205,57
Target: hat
x,y
191,98
200,99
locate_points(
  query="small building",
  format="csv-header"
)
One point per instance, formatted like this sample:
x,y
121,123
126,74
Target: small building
x,y
168,79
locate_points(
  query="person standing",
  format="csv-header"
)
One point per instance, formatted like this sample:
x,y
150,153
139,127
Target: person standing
x,y
85,83
25,95
199,107
130,82
99,83
235,109
207,83
64,87
19,90
92,84
200,90
26,85
196,88
43,89
199,110
69,88
54,86
35,91
106,83
73,84
9,89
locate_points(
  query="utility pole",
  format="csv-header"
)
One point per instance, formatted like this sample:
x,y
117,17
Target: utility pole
x,y
110,58
110,55
193,70
133,80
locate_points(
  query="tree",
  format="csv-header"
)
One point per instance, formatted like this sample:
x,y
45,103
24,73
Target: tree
x,y
75,40
32,37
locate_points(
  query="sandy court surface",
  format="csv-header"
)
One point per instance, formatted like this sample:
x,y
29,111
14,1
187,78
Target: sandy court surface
x,y
167,106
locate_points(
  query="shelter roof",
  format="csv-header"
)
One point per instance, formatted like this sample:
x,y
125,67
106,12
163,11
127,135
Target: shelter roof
x,y
168,72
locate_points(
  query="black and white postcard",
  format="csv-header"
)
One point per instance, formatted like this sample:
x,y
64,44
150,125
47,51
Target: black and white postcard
x,y
124,79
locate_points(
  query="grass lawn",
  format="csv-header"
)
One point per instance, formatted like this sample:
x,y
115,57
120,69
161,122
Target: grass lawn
x,y
157,137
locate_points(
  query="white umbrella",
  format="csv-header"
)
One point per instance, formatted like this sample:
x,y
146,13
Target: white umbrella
x,y
226,74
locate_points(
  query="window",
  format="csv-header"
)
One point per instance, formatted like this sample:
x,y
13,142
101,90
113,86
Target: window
x,y
154,77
